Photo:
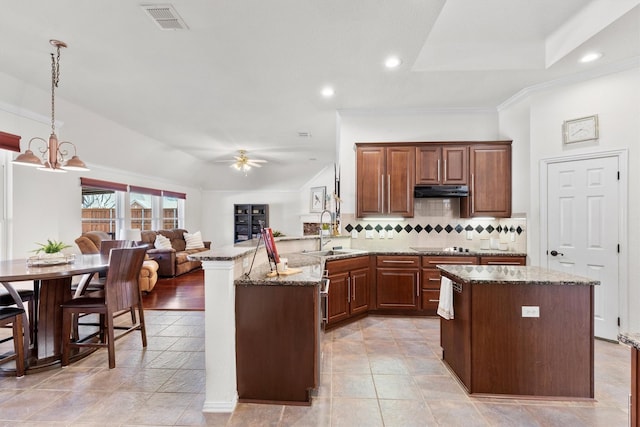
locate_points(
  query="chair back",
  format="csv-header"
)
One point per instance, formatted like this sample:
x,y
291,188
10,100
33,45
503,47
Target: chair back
x,y
107,245
121,286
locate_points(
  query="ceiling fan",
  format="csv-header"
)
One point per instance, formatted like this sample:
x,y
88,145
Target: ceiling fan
x,y
243,163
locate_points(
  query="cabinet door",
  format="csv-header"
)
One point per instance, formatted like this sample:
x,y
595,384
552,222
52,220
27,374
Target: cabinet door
x,y
338,298
370,177
359,291
397,288
455,167
400,180
428,164
490,182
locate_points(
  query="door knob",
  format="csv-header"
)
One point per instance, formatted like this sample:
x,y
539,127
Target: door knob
x,y
556,253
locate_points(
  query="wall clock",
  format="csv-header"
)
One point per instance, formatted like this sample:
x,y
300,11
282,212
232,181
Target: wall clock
x,y
582,129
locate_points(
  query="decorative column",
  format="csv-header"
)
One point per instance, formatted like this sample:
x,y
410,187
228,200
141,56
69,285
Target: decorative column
x,y
221,391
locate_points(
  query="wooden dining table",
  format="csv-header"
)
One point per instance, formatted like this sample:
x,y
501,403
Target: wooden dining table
x,y
52,287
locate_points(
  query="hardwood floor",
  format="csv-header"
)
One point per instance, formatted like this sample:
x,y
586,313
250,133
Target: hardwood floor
x,y
184,292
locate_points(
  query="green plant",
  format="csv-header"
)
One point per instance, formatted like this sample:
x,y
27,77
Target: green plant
x,y
51,247
277,233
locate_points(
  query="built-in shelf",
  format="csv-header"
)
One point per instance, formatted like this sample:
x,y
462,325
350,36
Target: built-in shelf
x,y
247,221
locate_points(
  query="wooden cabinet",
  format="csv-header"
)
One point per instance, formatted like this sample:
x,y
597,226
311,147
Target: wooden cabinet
x,y
385,177
442,164
489,181
430,278
247,221
397,282
503,260
278,343
348,288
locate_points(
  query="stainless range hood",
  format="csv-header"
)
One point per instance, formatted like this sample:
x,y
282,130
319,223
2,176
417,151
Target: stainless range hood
x,y
422,191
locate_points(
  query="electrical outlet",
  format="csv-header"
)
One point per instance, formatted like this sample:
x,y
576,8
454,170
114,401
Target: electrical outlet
x,y
245,262
530,311
354,234
469,235
368,234
381,234
390,234
513,236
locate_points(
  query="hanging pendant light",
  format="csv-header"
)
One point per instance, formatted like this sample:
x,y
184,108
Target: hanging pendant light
x,y
54,153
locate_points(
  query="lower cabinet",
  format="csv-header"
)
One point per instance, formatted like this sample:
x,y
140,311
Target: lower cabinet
x,y
397,282
430,282
348,288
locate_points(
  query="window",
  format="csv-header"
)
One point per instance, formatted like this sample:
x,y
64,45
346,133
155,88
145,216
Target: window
x,y
172,209
144,205
102,203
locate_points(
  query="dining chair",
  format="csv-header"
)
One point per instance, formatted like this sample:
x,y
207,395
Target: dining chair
x,y
26,296
13,315
121,294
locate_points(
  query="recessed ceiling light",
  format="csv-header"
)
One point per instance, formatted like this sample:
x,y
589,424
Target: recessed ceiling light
x,y
590,57
328,91
392,62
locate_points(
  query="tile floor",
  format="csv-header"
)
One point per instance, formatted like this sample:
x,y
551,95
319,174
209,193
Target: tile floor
x,y
379,371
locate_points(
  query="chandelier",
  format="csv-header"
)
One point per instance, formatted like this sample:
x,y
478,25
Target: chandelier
x,y
54,154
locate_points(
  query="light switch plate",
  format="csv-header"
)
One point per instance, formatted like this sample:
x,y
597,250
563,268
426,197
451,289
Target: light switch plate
x,y
354,234
530,311
390,234
469,235
382,234
368,234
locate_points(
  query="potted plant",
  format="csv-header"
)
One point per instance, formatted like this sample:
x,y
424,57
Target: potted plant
x,y
51,249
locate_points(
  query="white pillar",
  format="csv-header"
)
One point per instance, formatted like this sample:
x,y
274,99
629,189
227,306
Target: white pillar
x,y
221,391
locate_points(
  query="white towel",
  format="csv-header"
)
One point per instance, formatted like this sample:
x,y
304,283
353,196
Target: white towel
x,y
445,305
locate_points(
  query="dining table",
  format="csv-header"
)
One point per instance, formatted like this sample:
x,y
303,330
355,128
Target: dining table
x,y
52,285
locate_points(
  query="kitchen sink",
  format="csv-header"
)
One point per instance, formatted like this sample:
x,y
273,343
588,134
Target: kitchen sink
x,y
330,252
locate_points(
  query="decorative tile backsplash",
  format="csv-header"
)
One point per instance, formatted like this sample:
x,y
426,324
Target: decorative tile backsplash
x,y
436,223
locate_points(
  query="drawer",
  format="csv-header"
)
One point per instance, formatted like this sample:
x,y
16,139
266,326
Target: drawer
x,y
503,260
397,261
347,264
430,299
432,261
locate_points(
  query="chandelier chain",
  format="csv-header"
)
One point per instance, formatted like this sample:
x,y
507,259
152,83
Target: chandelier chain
x,y
55,78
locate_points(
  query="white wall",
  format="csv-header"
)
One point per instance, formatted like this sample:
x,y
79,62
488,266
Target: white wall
x,y
38,205
287,209
615,98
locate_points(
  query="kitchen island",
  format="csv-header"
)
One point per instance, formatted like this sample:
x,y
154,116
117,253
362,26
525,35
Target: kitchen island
x,y
520,331
633,340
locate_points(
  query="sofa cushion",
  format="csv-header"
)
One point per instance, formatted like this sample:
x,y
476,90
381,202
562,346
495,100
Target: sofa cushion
x,y
193,241
162,242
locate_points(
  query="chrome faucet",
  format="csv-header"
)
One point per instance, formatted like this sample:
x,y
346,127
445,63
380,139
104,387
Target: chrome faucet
x,y
322,241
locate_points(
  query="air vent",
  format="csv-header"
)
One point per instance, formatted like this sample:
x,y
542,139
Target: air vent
x,y
165,16
304,134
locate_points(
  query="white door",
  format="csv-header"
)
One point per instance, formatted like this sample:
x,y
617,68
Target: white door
x,y
582,218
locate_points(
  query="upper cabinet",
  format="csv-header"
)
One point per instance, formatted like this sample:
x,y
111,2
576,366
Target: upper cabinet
x,y
385,177
489,181
442,164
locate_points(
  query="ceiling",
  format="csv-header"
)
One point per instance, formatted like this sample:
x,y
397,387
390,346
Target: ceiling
x,y
247,74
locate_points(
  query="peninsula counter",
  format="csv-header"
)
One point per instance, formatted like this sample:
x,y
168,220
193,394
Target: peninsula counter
x,y
520,331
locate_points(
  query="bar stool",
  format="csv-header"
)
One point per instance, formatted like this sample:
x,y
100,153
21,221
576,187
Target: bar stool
x,y
27,296
14,315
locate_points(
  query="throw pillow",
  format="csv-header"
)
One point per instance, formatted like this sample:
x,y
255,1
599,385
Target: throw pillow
x,y
193,240
162,242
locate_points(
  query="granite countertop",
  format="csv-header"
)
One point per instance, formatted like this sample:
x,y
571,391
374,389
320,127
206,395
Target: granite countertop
x,y
630,338
512,275
310,275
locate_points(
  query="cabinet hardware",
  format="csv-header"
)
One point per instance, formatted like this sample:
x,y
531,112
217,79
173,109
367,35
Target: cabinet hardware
x,y
431,279
389,261
348,289
444,178
354,288
503,263
439,170
388,193
418,284
381,192
434,300
473,194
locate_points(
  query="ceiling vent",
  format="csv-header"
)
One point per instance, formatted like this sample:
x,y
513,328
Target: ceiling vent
x,y
165,16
